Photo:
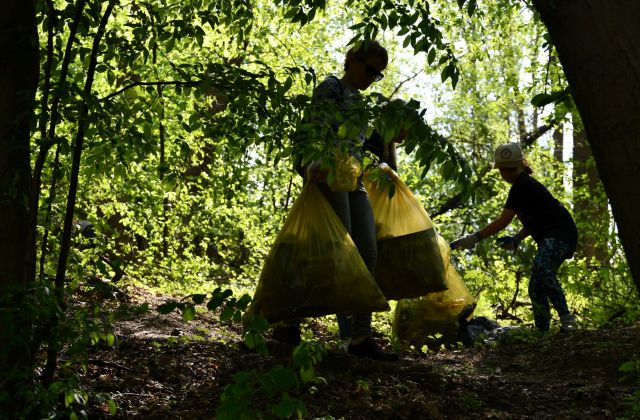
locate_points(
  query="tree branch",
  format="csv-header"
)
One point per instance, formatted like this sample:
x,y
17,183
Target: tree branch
x,y
403,82
186,83
529,139
456,201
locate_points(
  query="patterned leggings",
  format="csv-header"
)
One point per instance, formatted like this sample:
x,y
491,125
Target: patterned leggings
x,y
544,285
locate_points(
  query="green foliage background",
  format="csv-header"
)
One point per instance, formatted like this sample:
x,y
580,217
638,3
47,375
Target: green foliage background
x,y
186,171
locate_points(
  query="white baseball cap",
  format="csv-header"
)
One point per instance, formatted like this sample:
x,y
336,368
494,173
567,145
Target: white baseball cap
x,y
508,155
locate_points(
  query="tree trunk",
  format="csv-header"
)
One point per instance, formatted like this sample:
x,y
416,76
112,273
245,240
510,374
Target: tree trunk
x,y
558,143
598,42
558,153
19,70
590,204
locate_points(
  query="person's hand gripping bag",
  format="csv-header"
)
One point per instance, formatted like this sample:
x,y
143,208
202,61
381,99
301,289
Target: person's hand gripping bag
x,y
409,260
434,319
313,268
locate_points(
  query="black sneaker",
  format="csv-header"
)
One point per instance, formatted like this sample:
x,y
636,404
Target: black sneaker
x,y
568,323
369,349
289,334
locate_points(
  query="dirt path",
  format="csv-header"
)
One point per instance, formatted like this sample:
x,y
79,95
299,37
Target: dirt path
x,y
163,367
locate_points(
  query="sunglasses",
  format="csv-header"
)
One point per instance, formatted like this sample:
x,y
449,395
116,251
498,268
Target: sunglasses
x,y
371,71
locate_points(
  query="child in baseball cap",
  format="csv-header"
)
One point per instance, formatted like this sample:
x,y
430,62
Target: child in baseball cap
x,y
549,224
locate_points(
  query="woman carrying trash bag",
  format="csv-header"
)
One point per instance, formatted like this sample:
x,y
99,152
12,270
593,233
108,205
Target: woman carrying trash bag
x,y
547,221
363,65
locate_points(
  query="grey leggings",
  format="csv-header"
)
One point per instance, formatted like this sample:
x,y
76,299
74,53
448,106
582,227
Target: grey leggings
x,y
354,210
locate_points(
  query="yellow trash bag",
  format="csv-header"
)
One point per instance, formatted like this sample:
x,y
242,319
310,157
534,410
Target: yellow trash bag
x,y
409,261
347,171
314,268
434,318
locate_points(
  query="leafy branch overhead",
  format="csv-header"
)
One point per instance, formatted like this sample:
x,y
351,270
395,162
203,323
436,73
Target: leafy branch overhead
x,y
316,139
411,20
250,100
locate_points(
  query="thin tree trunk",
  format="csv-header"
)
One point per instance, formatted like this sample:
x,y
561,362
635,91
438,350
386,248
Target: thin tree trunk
x,y
558,143
162,141
55,103
522,127
42,125
598,43
65,243
48,135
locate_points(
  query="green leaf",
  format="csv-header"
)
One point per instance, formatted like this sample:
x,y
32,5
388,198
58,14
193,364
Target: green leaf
x,y
189,313
446,72
392,190
170,44
383,22
218,298
431,56
199,36
290,13
167,307
286,407
148,130
243,302
307,374
237,316
543,99
284,378
287,84
407,41
454,77
448,170
393,19
250,340
198,299
113,408
227,313
120,171
258,324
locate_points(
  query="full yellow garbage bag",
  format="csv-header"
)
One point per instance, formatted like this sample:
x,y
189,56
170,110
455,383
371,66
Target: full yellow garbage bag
x,y
314,268
409,261
434,318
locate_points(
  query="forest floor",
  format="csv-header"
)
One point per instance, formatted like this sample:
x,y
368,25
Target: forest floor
x,y
164,367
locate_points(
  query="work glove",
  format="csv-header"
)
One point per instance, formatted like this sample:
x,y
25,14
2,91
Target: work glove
x,y
466,242
509,243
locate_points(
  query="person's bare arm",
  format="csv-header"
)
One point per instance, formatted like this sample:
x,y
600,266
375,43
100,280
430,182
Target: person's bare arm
x,y
470,241
497,225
